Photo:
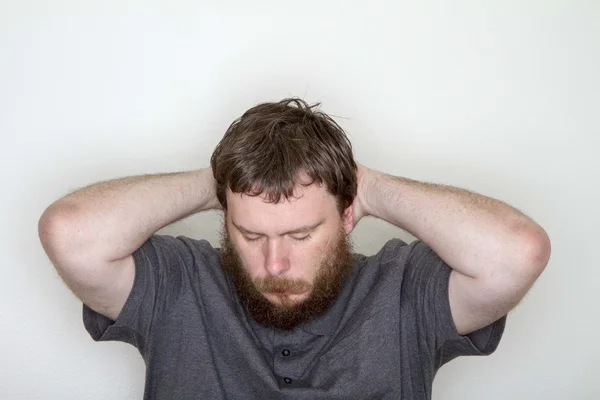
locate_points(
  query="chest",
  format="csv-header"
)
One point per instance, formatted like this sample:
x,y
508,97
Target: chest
x,y
370,357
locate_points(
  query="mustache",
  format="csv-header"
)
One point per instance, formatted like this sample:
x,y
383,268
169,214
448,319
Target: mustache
x,y
277,285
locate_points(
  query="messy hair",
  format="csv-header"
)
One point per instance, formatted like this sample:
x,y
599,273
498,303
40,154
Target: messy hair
x,y
265,150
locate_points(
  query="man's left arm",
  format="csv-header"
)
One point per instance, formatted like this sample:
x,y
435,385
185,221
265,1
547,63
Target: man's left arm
x,y
495,252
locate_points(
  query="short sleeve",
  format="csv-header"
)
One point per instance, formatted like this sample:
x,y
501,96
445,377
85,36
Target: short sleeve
x,y
426,280
159,277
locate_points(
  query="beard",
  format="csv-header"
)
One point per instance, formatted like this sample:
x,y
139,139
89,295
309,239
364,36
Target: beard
x,y
328,283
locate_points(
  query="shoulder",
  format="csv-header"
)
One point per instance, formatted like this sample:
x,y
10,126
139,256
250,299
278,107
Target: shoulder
x,y
177,253
382,271
394,252
180,246
195,262
401,262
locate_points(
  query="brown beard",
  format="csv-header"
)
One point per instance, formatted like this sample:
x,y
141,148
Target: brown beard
x,y
286,316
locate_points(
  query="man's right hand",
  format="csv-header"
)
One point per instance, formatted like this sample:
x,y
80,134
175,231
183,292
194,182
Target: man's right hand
x,y
91,234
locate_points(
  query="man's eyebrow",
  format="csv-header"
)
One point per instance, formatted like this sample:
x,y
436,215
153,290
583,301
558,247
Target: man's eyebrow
x,y
302,229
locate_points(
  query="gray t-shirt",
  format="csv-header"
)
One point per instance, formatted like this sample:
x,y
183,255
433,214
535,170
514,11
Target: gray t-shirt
x,y
384,337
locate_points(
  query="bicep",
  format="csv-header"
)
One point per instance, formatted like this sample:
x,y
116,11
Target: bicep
x,y
475,304
103,287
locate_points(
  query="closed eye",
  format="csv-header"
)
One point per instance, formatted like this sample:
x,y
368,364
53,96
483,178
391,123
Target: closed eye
x,y
252,239
302,238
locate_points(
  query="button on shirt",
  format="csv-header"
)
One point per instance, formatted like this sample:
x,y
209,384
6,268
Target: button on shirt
x,y
384,336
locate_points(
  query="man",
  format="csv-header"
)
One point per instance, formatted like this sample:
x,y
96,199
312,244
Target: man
x,y
284,308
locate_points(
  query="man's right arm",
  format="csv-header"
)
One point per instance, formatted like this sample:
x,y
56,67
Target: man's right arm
x,y
91,234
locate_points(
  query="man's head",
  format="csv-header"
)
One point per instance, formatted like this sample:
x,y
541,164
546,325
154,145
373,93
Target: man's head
x,y
286,179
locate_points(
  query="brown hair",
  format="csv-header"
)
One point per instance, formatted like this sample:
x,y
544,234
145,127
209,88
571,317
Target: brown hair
x,y
265,149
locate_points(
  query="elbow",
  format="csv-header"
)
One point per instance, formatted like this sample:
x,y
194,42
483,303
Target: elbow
x,y
55,225
540,247
523,267
535,250
524,260
48,225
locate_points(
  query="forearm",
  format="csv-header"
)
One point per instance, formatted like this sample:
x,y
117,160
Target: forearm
x,y
472,233
110,220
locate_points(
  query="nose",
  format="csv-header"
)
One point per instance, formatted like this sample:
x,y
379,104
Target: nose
x,y
276,258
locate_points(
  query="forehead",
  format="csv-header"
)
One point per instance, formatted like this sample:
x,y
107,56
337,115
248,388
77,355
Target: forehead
x,y
310,204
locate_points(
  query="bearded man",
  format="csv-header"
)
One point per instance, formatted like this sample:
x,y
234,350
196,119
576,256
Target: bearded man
x,y
284,308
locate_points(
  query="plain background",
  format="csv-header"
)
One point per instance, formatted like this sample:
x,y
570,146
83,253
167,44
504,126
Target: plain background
x,y
500,97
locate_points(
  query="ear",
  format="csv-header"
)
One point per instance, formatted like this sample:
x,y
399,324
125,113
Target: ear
x,y
348,219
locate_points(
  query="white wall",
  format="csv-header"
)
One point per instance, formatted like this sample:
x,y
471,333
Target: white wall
x,y
501,98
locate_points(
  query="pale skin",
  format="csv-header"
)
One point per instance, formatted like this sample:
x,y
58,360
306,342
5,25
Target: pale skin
x,y
288,239
495,251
